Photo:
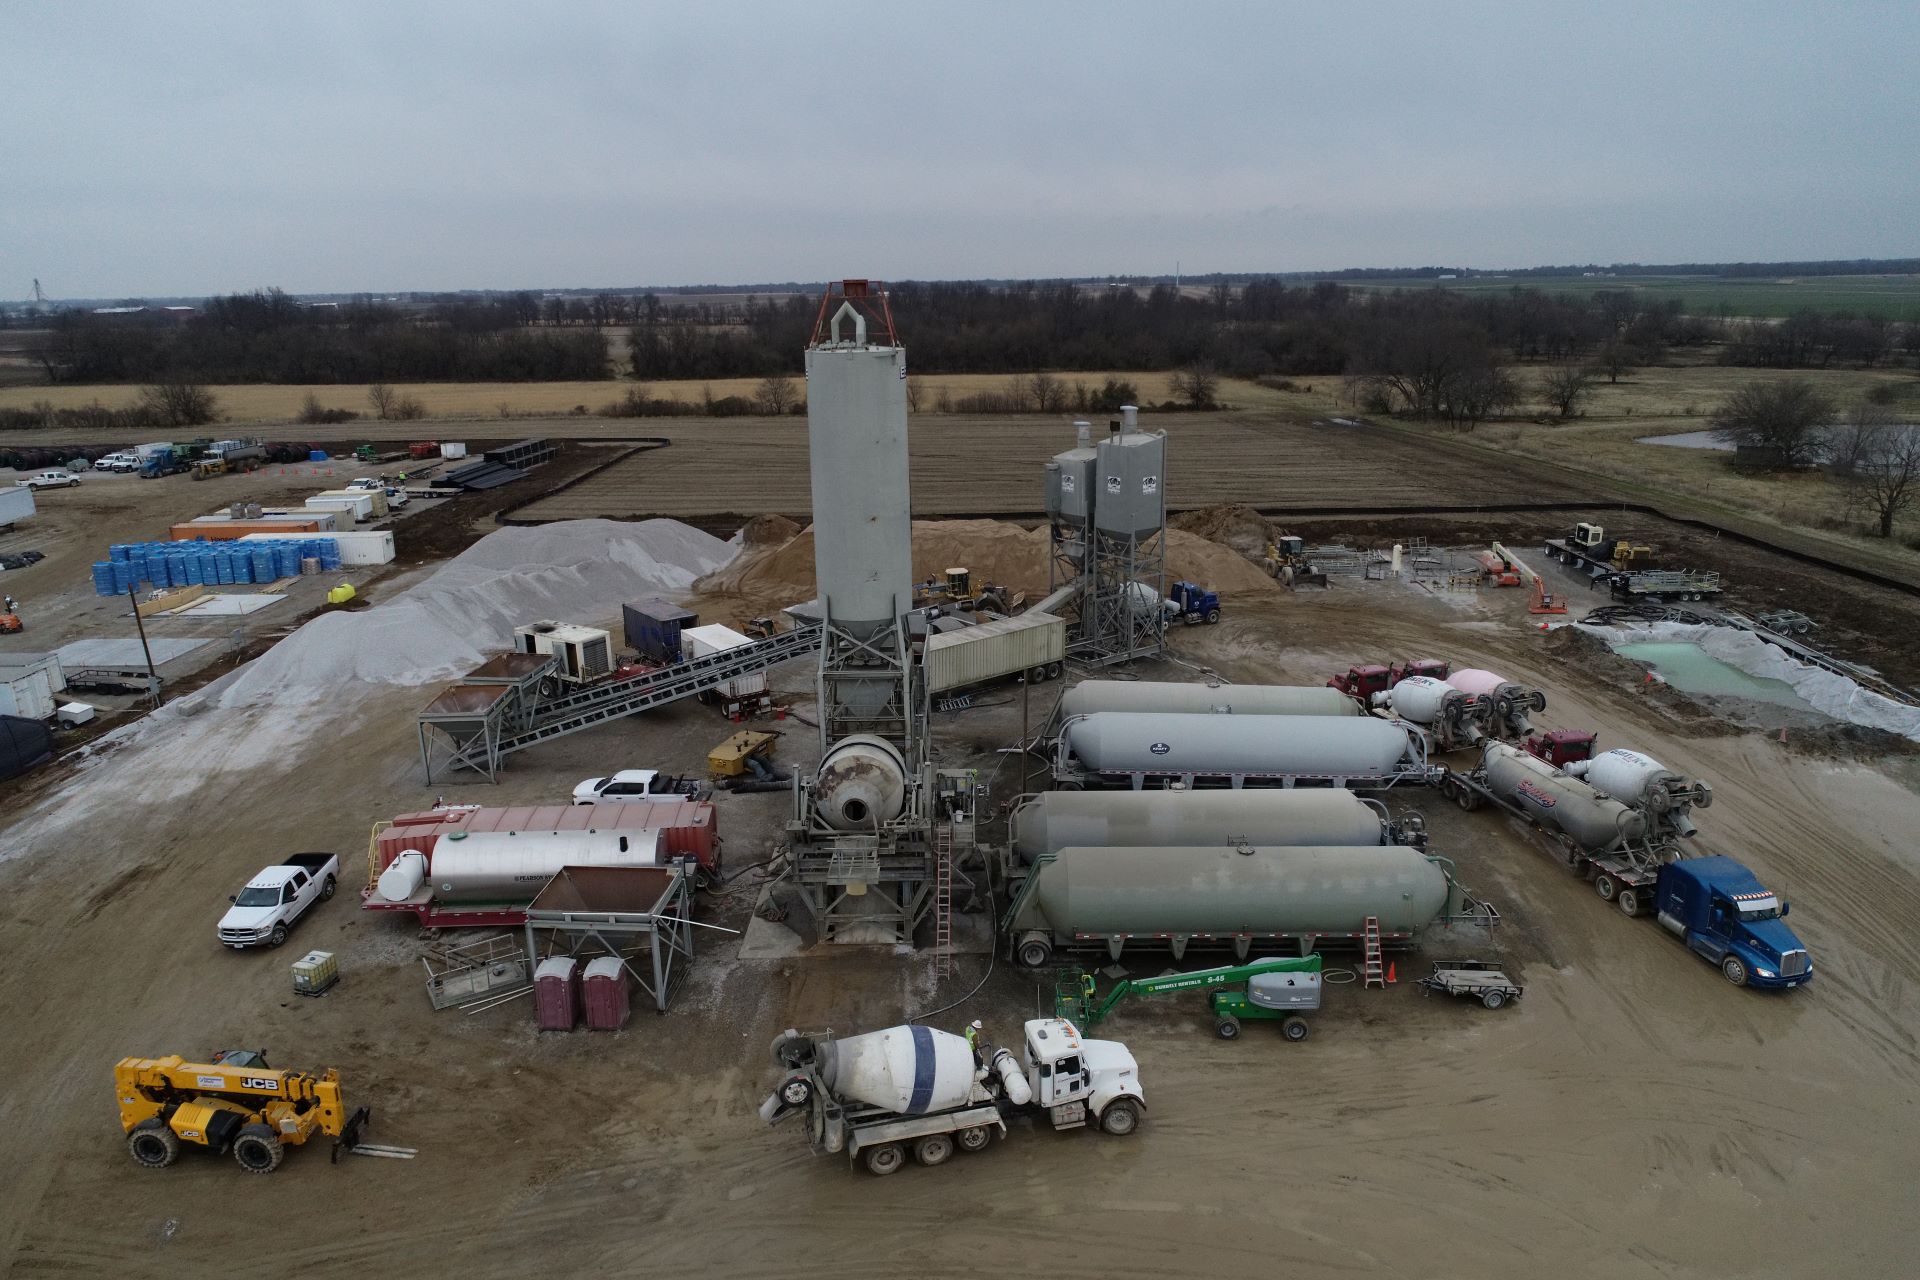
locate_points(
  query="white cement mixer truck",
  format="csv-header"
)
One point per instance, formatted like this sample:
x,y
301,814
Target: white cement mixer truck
x,y
911,1088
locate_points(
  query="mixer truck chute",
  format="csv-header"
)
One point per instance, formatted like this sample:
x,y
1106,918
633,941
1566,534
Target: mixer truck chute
x,y
881,1095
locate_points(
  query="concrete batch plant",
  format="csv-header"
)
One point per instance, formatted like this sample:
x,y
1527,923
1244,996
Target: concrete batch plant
x,y
1107,517
878,836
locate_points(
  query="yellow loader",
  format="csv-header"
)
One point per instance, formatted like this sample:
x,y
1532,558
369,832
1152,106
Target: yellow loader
x,y
235,1103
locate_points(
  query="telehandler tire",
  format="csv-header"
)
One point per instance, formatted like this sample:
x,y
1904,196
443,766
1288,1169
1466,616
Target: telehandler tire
x,y
257,1149
152,1144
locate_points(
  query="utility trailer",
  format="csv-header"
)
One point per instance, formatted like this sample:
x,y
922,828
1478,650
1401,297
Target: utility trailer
x,y
1657,586
1478,979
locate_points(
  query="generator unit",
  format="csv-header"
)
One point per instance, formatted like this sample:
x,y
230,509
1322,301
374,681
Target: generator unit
x,y
584,654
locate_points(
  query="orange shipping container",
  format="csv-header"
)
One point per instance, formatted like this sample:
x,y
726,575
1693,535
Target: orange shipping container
x,y
231,530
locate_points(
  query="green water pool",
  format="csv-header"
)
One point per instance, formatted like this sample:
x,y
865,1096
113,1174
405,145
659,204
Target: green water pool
x,y
1690,668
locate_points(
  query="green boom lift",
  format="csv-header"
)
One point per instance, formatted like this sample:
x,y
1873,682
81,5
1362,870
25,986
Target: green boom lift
x,y
1277,989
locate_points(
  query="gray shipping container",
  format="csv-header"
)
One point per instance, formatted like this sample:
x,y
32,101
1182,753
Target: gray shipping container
x,y
1003,647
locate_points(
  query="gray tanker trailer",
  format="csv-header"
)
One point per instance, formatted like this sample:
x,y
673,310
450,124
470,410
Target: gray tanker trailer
x,y
1240,896
1090,696
1054,820
1140,749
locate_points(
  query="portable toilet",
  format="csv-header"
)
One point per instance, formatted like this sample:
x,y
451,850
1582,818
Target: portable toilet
x,y
556,994
608,994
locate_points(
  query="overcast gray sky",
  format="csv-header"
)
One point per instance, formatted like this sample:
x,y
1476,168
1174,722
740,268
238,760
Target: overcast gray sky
x,y
190,148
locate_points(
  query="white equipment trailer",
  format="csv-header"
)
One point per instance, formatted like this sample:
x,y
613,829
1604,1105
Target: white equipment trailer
x,y
910,1088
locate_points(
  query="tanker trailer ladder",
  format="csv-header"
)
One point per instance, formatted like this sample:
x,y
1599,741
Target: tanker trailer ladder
x,y
942,900
1373,970
373,857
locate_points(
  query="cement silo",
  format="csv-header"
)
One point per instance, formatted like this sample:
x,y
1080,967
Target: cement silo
x,y
1054,820
1106,511
862,505
1243,896
1090,696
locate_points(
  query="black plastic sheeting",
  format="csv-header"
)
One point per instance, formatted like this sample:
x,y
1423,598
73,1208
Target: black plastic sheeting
x,y
24,744
482,475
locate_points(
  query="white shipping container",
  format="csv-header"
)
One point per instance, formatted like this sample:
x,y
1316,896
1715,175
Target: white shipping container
x,y
363,500
357,547
26,692
1002,647
16,503
699,642
452,449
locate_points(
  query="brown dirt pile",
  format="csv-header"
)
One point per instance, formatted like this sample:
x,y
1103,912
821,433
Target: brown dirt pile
x,y
994,550
1231,524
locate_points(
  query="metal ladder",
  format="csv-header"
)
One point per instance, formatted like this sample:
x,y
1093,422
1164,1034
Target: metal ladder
x,y
1372,970
943,899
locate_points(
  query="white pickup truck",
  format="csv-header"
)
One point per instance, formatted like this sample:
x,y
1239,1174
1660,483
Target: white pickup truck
x,y
264,911
635,784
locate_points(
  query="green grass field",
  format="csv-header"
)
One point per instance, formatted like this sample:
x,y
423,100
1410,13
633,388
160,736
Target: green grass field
x,y
1896,297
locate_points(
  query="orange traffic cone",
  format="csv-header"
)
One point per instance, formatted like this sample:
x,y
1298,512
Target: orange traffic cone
x,y
1391,968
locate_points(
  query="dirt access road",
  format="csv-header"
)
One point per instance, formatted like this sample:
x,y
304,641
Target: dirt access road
x,y
1632,1116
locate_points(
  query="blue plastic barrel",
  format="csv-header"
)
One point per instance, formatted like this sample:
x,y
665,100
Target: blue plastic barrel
x,y
329,554
240,564
119,552
196,574
286,559
263,562
122,576
103,577
316,455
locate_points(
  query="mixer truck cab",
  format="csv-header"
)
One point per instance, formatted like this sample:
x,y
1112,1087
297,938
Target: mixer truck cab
x,y
1363,682
1078,1081
1720,909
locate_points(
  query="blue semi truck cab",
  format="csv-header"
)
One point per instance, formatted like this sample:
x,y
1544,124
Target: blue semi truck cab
x,y
1720,909
1194,605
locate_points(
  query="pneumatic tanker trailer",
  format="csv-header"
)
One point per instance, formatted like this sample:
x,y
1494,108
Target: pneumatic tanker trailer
x,y
1154,749
1055,820
1209,698
1237,895
1619,825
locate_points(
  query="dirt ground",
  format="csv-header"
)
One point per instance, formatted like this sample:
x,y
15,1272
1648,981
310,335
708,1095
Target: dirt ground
x,y
1633,1115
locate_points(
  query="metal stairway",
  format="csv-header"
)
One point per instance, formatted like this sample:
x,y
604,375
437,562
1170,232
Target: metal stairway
x,y
1372,970
597,705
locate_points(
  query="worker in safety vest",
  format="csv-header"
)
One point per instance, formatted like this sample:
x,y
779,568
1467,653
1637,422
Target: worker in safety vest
x,y
973,1038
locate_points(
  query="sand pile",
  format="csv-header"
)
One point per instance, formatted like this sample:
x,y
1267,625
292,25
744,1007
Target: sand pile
x,y
769,531
994,550
576,569
1231,524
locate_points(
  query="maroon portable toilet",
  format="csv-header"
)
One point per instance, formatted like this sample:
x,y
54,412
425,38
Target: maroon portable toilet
x,y
556,994
607,993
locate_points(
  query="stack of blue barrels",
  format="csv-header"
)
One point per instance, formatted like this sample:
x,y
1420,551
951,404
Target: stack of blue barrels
x,y
132,565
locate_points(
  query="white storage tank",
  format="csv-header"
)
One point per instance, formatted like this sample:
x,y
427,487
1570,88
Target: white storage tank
x,y
1130,500
511,866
